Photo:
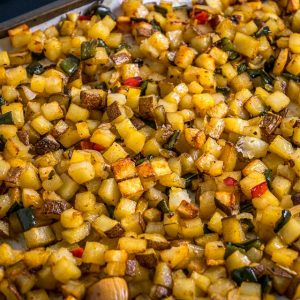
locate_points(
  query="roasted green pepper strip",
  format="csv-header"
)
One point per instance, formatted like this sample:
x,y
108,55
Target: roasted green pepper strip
x,y
6,118
268,174
70,64
163,206
26,218
285,217
263,31
88,49
244,274
172,140
35,68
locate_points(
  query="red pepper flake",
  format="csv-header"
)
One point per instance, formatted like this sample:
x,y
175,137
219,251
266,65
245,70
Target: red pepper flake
x,y
201,16
258,190
84,18
229,181
91,146
133,81
77,252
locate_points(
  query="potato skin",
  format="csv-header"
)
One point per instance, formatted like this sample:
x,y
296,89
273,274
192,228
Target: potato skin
x,y
114,288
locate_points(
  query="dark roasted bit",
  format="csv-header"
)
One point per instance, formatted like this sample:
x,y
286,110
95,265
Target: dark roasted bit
x,y
259,270
137,123
131,267
296,199
159,292
114,111
142,29
148,259
46,144
51,209
92,99
115,232
59,128
187,210
23,136
13,175
226,202
146,106
158,244
121,57
270,122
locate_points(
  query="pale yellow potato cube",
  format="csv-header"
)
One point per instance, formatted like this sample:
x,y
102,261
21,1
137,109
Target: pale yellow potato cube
x,y
94,253
81,172
294,42
277,101
246,45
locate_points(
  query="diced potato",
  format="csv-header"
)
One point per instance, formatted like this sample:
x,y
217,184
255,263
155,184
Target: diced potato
x,y
132,245
64,270
294,42
94,253
82,172
15,76
184,288
284,256
281,147
75,235
246,45
277,101
39,236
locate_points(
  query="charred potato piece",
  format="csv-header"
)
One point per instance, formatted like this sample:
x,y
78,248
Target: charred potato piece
x,y
52,209
115,232
146,106
187,210
46,144
13,175
121,57
148,259
59,128
92,99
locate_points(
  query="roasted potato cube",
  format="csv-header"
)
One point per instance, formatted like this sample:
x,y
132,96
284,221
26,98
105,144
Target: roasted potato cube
x,y
92,99
146,106
116,112
131,188
124,169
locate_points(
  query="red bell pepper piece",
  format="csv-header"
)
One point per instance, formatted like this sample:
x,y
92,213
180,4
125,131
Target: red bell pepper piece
x,y
259,189
201,16
77,252
84,18
91,146
229,181
133,81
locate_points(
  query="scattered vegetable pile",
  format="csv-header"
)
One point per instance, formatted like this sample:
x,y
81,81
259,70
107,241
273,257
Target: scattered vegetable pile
x,y
154,155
